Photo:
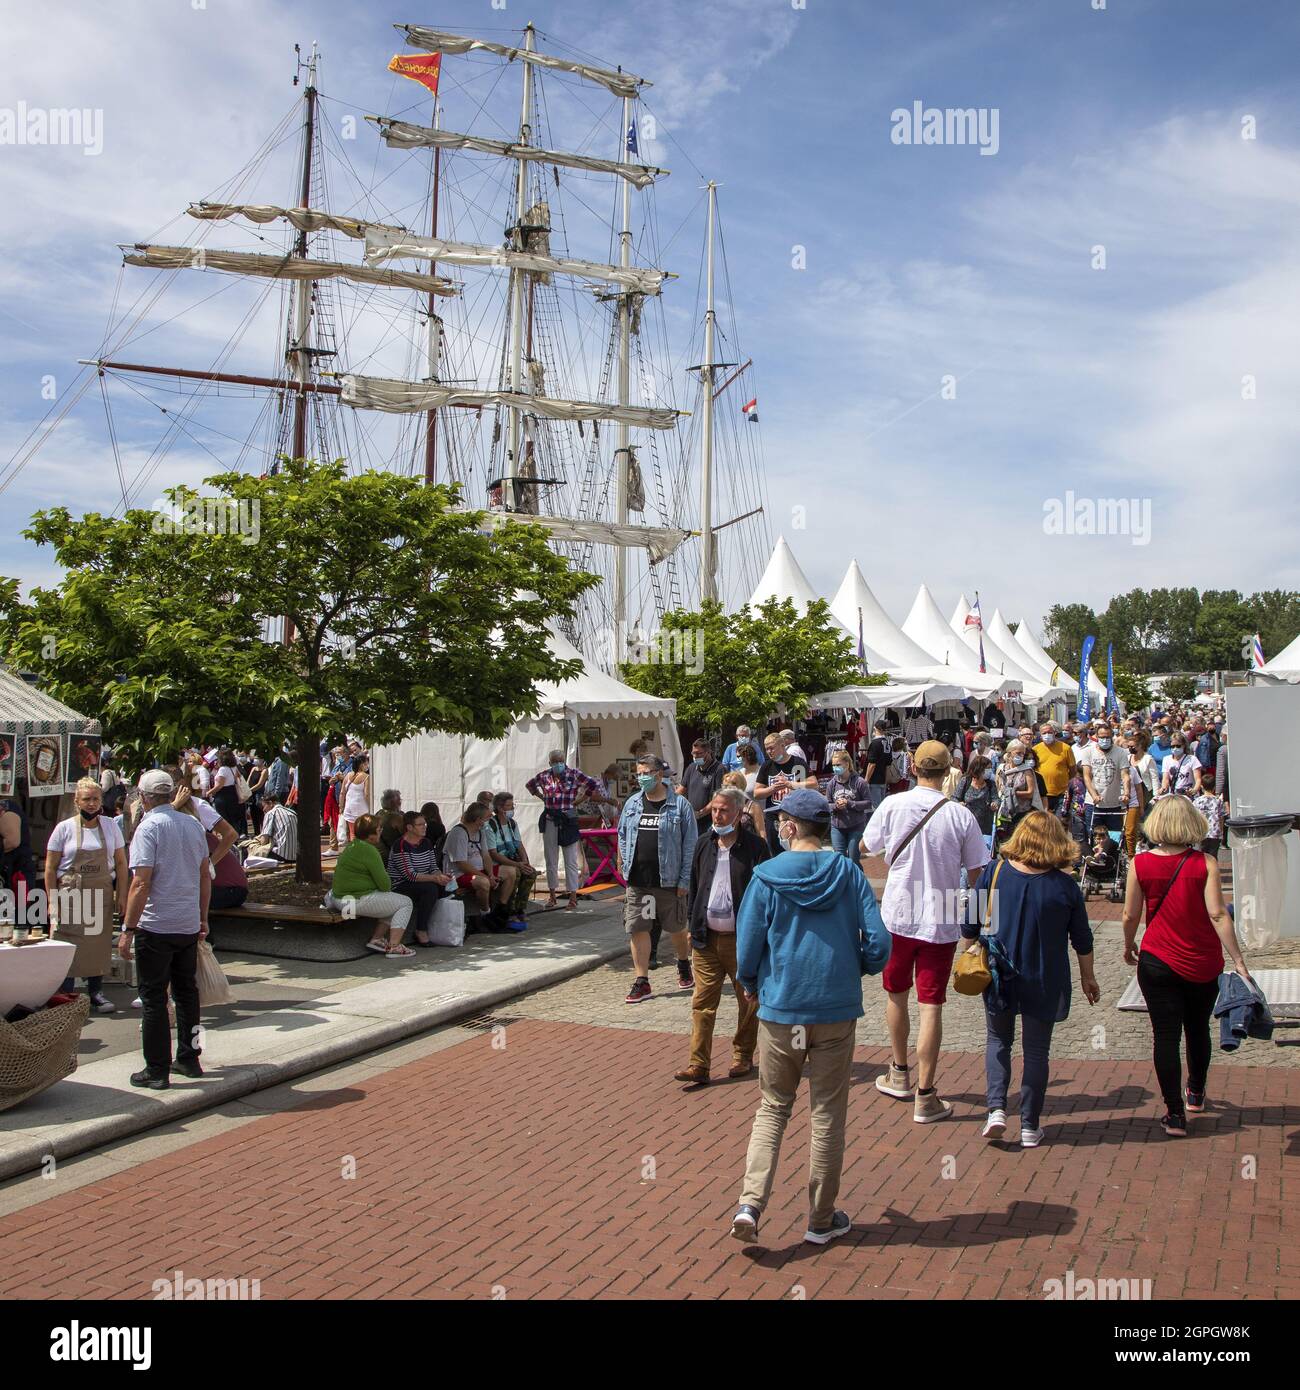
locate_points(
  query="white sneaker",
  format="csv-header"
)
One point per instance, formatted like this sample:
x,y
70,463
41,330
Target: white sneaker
x,y
996,1125
1031,1138
137,1002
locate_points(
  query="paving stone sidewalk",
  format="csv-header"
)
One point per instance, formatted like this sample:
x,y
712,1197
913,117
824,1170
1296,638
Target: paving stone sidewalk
x,y
559,1160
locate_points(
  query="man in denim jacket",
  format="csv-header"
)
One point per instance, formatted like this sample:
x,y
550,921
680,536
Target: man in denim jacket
x,y
656,843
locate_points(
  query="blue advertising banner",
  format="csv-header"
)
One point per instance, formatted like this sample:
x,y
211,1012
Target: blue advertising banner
x,y
1112,703
1085,699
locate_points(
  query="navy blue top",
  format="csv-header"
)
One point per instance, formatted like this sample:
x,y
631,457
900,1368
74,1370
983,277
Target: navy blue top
x,y
1039,917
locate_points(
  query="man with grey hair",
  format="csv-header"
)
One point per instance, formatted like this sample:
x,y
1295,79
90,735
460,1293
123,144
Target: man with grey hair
x,y
1055,759
790,742
656,844
731,759
561,788
724,860
167,908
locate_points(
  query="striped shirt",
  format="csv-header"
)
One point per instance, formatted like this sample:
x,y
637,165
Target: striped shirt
x,y
281,825
407,861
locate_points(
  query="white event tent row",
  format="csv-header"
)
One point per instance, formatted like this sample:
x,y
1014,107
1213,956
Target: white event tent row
x,y
593,717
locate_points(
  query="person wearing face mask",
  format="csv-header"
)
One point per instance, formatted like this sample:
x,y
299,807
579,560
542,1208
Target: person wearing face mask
x,y
656,846
1160,746
850,801
700,780
724,861
1017,785
85,876
560,789
731,757
1182,772
1107,774
1055,759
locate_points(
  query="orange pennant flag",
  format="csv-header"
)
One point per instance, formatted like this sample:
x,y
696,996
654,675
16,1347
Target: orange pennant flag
x,y
419,67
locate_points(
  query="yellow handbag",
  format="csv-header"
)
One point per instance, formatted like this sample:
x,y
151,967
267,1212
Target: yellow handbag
x,y
971,973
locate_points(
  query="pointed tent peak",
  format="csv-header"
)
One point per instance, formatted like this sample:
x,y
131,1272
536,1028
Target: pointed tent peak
x,y
1026,640
783,579
1001,633
879,631
959,613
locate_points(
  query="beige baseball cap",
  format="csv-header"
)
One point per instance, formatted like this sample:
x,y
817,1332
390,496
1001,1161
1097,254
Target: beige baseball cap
x,y
932,757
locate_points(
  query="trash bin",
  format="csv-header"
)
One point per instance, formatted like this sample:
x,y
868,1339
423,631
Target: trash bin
x,y
1259,877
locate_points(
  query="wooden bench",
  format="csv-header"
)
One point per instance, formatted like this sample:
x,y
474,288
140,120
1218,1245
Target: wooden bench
x,y
290,932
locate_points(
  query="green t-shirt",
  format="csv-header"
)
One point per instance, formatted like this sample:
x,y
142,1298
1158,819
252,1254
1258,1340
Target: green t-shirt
x,y
360,870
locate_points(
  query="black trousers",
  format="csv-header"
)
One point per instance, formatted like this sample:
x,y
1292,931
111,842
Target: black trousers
x,y
1180,1011
425,898
165,960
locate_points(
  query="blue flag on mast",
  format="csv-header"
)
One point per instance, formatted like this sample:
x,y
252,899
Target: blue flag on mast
x,y
632,145
1085,702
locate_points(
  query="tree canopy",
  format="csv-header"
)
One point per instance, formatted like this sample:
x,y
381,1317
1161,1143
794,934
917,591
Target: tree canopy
x,y
1159,630
406,613
725,669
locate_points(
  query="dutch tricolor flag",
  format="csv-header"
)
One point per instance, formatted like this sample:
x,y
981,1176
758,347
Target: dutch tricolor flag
x,y
751,411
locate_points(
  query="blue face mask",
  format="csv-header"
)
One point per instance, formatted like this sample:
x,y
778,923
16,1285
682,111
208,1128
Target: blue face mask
x,y
699,762
557,767
646,781
722,829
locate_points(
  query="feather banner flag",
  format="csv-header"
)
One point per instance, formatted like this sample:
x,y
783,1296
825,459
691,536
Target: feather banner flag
x,y
1084,711
1112,703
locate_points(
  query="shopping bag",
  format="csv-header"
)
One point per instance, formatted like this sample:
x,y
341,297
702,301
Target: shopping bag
x,y
214,988
448,925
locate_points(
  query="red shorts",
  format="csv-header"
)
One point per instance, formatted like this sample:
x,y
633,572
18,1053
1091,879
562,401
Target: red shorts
x,y
465,880
930,961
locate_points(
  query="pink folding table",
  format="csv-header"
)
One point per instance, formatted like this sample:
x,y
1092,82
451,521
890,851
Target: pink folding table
x,y
604,840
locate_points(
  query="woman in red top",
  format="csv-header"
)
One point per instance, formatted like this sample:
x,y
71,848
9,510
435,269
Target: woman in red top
x,y
1178,967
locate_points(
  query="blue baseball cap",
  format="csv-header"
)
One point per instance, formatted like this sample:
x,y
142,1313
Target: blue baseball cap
x,y
806,804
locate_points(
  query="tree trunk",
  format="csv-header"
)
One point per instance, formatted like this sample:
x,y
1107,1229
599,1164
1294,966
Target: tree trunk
x,y
309,808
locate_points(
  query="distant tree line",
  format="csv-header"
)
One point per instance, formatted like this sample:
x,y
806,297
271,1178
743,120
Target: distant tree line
x,y
1159,630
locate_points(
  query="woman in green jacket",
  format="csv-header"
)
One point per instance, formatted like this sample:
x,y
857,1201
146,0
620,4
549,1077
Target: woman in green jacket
x,y
362,888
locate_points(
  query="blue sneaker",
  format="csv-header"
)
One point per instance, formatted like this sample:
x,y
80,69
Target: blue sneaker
x,y
744,1225
840,1226
517,924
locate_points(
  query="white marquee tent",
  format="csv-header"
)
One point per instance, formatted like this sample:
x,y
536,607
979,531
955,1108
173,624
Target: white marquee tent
x,y
1285,666
996,658
925,626
594,717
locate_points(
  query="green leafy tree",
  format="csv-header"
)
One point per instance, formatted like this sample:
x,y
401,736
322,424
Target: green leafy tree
x,y
1275,615
1221,626
1064,629
1179,688
725,669
406,615
1133,690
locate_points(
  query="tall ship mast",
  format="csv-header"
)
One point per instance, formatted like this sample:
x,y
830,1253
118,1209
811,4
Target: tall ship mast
x,y
435,321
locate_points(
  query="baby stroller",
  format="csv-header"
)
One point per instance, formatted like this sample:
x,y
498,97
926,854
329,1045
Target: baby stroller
x,y
1108,872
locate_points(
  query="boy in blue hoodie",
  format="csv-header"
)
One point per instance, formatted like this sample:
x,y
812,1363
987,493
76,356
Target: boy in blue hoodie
x,y
808,930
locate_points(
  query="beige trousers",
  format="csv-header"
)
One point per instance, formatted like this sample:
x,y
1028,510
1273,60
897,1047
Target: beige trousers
x,y
783,1051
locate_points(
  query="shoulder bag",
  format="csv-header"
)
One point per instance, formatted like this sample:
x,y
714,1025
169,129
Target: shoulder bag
x,y
971,973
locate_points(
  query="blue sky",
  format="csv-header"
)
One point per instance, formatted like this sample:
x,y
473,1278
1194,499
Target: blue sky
x,y
1119,127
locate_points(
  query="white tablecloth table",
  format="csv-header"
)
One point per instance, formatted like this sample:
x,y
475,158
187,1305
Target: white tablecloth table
x,y
30,974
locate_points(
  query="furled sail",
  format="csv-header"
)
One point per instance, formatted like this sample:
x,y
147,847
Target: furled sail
x,y
385,243
280,267
403,135
622,84
658,542
305,219
403,397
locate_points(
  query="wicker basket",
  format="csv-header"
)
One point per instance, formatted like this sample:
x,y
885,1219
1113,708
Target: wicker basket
x,y
39,1050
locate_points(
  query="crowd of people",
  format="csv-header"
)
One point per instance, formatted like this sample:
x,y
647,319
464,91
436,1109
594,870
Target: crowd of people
x,y
757,870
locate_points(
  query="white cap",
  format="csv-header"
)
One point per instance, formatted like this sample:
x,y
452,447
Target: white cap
x,y
157,783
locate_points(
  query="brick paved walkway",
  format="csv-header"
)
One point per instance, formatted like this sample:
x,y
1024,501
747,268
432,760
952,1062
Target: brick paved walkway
x,y
568,1164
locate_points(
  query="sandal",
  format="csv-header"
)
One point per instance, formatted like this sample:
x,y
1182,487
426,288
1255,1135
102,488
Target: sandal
x,y
399,953
380,946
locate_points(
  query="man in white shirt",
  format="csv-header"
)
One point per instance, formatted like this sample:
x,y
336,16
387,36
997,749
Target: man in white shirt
x,y
1106,772
930,843
791,745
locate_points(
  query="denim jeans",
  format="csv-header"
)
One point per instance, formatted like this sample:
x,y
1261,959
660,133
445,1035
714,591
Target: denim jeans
x,y
876,791
166,960
1036,1042
846,842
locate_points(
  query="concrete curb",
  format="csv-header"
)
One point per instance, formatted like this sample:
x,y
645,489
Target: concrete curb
x,y
149,1109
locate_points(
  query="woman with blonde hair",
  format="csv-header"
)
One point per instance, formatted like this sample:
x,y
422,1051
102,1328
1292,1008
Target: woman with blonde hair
x,y
1181,957
85,875
1034,907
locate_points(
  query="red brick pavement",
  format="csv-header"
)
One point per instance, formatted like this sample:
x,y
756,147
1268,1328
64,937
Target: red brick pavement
x,y
569,1164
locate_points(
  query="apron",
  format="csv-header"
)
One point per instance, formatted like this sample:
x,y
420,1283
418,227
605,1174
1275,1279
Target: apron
x,y
94,933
